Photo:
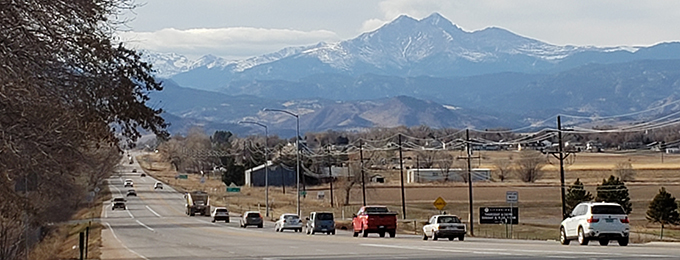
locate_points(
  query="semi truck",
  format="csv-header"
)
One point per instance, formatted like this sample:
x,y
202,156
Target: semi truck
x,y
197,202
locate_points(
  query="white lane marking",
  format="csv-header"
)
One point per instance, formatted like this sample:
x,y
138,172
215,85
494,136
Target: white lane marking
x,y
157,215
128,212
121,242
513,251
147,227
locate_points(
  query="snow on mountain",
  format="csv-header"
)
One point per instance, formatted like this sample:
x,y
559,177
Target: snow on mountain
x,y
167,64
433,46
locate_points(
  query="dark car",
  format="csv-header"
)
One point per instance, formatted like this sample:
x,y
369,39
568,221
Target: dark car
x,y
251,218
118,203
143,175
131,193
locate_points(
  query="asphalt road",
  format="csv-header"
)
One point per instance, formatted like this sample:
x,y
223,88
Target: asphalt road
x,y
154,226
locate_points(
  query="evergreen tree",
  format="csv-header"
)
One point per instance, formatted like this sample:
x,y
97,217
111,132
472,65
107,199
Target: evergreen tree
x,y
663,210
575,195
614,190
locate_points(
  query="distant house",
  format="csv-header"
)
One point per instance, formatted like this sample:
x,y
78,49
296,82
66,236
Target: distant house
x,y
673,150
377,178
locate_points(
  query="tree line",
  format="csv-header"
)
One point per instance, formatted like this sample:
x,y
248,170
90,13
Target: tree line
x,y
69,94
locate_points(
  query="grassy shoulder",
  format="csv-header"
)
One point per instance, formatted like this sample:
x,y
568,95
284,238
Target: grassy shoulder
x,y
62,240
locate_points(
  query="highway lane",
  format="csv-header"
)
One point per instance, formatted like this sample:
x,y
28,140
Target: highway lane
x,y
155,227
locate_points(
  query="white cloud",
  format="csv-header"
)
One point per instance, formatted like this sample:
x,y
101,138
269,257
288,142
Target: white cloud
x,y
372,24
234,42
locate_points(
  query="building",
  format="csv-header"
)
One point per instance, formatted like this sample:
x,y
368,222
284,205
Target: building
x,y
279,175
439,175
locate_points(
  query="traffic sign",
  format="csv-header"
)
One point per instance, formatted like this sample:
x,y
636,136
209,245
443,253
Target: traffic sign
x,y
499,215
511,196
439,203
183,176
233,189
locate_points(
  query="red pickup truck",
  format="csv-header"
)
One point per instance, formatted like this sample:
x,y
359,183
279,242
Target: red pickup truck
x,y
374,219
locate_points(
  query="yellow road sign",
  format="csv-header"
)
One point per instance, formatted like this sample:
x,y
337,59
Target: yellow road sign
x,y
439,203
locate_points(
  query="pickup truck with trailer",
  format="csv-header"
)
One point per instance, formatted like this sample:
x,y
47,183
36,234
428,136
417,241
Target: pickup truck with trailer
x,y
374,219
197,202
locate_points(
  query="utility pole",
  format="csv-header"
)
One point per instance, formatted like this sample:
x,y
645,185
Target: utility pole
x,y
330,172
401,168
561,155
363,179
469,173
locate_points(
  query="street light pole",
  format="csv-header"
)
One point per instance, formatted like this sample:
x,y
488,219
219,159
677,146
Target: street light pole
x,y
266,163
297,150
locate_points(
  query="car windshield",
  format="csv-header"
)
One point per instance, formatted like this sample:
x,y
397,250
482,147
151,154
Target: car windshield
x,y
376,210
253,215
608,209
291,217
324,216
221,210
448,219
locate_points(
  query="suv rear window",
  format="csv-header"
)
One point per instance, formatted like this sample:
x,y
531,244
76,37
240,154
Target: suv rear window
x,y
608,209
221,210
324,216
253,215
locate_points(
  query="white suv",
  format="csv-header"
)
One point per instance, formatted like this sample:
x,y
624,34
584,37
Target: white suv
x,y
602,221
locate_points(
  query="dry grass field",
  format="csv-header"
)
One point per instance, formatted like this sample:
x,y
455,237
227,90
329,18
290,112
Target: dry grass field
x,y
539,203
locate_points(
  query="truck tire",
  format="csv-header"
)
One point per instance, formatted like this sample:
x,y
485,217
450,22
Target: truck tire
x,y
434,236
393,233
461,238
333,232
355,234
382,233
623,241
363,232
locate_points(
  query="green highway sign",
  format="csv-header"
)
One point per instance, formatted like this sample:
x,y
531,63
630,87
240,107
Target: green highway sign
x,y
233,189
183,176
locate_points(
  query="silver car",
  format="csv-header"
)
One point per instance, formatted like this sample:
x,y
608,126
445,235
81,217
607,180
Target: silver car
x,y
444,226
288,221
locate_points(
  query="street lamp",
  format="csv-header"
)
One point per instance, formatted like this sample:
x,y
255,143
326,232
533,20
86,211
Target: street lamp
x,y
266,164
297,150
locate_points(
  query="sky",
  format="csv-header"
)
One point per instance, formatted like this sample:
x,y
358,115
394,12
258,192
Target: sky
x,y
238,29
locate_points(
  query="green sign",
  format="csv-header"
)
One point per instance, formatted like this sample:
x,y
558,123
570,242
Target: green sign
x,y
303,193
233,189
183,176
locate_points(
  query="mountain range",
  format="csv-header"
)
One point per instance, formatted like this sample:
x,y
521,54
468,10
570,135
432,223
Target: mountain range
x,y
413,72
